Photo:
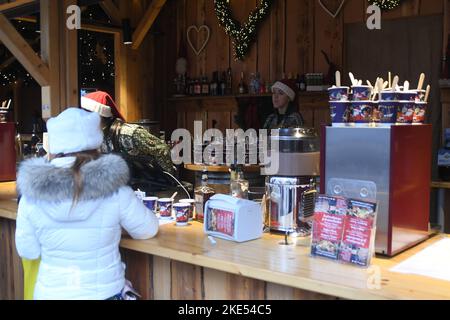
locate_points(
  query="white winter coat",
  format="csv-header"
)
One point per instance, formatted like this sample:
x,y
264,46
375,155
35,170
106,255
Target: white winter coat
x,y
79,247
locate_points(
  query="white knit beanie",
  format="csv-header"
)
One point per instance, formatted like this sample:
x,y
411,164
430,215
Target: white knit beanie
x,y
74,130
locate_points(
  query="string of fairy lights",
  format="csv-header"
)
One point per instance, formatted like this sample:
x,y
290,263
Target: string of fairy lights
x,y
386,4
11,70
96,58
242,36
95,53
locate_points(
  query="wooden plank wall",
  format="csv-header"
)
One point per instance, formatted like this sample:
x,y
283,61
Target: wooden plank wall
x,y
164,279
156,278
290,40
11,271
137,75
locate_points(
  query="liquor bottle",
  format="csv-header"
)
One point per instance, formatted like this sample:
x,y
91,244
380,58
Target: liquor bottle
x,y
251,84
202,194
239,187
19,146
213,87
257,83
302,85
229,90
297,82
223,84
197,87
242,89
233,174
205,86
34,141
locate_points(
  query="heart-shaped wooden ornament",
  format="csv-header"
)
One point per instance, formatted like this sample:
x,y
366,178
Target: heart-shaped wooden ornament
x,y
198,29
333,14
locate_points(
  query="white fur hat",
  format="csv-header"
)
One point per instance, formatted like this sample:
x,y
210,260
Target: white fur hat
x,y
74,130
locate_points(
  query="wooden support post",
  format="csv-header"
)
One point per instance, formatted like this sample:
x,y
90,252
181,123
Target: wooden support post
x,y
146,22
120,61
59,49
69,61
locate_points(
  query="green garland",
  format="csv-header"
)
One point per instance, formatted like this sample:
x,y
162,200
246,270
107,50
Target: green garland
x,y
386,4
242,36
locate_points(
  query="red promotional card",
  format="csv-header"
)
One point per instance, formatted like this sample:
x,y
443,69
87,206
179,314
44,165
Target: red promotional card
x,y
221,221
358,233
328,226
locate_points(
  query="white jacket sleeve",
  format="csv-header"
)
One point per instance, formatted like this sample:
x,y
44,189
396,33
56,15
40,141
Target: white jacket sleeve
x,y
27,243
135,218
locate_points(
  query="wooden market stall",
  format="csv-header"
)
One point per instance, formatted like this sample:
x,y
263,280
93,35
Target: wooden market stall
x,y
146,38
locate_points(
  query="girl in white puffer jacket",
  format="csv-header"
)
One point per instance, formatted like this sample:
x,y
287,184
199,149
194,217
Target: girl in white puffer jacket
x,y
72,209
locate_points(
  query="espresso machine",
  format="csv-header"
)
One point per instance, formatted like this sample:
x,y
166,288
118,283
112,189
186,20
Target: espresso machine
x,y
291,190
7,145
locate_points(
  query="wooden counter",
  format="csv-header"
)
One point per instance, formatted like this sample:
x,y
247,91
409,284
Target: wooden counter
x,y
181,263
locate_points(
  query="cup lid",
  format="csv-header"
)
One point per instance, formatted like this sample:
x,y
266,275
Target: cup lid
x,y
341,87
187,201
151,198
181,204
166,200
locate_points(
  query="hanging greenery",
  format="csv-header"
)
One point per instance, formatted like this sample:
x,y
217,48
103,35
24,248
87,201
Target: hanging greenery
x,y
242,36
386,4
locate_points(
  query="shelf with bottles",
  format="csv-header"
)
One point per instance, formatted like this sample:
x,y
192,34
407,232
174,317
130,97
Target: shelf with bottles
x,y
243,96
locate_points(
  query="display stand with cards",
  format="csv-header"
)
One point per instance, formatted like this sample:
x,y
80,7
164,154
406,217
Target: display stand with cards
x,y
344,230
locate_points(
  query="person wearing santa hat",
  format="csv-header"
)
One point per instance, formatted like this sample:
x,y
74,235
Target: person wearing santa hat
x,y
71,212
284,99
132,141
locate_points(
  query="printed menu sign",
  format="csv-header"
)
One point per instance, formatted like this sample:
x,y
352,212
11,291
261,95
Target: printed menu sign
x,y
358,228
328,226
343,229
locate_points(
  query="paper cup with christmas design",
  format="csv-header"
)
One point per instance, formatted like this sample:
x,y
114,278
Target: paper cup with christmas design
x,y
388,111
420,96
420,113
191,202
151,203
389,95
339,93
406,111
361,111
375,112
408,95
361,93
165,208
182,213
339,111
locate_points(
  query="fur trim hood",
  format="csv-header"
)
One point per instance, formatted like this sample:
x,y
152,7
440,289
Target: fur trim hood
x,y
38,179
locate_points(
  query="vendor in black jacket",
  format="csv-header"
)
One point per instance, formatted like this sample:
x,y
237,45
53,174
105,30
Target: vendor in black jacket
x,y
284,99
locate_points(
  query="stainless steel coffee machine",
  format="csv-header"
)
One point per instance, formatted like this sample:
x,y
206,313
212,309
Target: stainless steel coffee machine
x,y
291,191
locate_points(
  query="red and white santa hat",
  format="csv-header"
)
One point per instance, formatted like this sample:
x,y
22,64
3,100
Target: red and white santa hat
x,y
287,86
102,103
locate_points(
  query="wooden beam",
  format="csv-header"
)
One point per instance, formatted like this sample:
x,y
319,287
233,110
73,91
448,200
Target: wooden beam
x,y
101,29
112,11
12,59
146,22
15,4
84,26
20,48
